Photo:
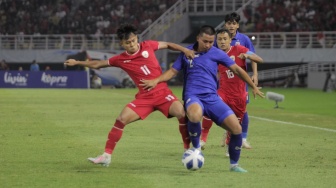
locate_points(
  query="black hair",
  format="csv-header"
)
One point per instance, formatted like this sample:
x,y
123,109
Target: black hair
x,y
222,30
207,29
124,31
232,17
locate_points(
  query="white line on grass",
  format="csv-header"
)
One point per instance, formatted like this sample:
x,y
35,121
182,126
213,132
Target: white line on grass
x,y
296,124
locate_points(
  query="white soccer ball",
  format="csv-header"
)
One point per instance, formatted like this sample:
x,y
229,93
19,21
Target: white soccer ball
x,y
193,159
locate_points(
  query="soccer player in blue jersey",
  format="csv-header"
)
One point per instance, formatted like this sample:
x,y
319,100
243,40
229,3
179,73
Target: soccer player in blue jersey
x,y
200,91
232,25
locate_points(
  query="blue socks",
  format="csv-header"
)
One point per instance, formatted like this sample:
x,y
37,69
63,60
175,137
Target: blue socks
x,y
195,130
235,148
244,125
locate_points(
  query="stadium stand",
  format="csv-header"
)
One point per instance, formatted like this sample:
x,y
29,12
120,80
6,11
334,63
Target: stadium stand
x,y
304,30
290,16
41,17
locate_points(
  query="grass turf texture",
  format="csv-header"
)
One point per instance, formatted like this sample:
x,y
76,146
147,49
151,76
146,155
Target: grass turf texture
x,y
47,134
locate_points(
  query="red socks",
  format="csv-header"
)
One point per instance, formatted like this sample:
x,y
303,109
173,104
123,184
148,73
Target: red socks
x,y
184,132
206,125
114,136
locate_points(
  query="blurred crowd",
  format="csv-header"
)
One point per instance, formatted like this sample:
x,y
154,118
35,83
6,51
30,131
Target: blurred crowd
x,y
290,15
104,16
77,16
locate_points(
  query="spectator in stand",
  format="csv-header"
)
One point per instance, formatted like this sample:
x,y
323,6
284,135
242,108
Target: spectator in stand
x,y
34,66
47,68
3,66
80,17
293,16
69,17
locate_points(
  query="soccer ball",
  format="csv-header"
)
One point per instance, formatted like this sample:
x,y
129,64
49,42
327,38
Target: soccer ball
x,y
193,159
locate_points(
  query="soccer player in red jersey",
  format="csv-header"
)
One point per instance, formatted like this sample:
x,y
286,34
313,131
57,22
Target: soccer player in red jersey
x,y
140,62
232,89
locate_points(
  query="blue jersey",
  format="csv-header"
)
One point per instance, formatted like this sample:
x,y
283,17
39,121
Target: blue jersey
x,y
243,40
200,73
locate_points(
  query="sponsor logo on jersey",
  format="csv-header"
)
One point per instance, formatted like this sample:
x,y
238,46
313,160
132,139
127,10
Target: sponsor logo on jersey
x,y
145,54
127,61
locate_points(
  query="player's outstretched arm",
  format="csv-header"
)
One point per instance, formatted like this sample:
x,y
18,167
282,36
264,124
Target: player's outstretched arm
x,y
244,76
150,84
254,76
172,46
254,60
252,56
95,64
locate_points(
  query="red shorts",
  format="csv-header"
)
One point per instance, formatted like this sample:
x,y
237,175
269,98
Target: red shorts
x,y
238,105
160,100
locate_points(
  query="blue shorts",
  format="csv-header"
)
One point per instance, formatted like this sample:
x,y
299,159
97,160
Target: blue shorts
x,y
212,106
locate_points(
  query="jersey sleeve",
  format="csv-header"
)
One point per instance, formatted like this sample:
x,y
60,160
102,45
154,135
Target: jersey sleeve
x,y
178,62
242,49
224,59
153,44
113,61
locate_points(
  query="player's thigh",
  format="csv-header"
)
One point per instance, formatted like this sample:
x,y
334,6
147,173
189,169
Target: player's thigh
x,y
194,109
128,115
169,105
231,124
176,110
217,110
141,107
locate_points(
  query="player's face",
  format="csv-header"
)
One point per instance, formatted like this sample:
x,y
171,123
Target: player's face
x,y
223,41
130,44
205,42
232,27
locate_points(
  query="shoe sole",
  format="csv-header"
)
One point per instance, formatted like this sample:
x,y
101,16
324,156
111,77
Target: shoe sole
x,y
103,164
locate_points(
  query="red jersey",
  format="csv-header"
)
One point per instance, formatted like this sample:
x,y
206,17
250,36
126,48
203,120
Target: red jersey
x,y
230,84
141,65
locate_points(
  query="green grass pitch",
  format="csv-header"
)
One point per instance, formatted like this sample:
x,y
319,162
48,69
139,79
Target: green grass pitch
x,y
46,136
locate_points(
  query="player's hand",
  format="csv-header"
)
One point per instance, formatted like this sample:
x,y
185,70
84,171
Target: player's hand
x,y
148,84
254,79
256,91
190,54
70,62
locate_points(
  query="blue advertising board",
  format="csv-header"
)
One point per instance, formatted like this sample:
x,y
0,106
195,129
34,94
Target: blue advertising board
x,y
44,79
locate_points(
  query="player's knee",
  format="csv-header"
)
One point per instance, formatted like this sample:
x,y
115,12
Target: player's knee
x,y
180,113
177,110
194,117
236,129
122,120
